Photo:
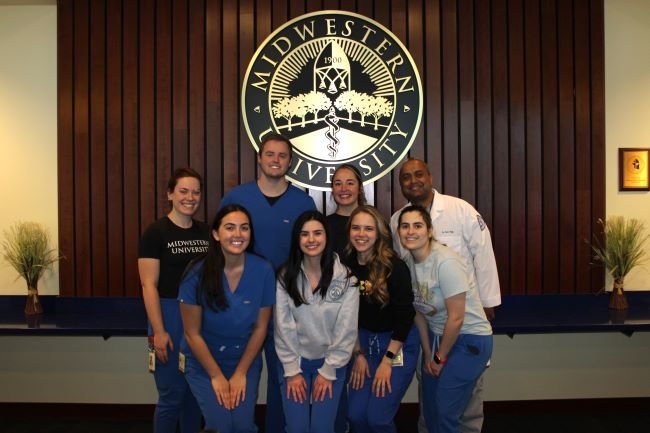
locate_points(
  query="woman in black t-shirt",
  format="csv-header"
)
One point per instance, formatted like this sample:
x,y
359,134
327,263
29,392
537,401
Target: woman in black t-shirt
x,y
387,349
347,192
166,247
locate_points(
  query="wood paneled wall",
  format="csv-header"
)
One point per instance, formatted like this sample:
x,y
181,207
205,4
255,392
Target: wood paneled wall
x,y
514,122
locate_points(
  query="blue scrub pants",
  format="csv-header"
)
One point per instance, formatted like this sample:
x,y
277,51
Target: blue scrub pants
x,y
444,398
312,416
368,413
242,418
175,400
341,423
274,420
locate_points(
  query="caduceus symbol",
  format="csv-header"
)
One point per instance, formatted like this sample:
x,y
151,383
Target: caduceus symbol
x,y
331,119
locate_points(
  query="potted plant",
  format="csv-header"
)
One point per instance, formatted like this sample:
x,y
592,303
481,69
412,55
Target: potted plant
x,y
621,250
26,247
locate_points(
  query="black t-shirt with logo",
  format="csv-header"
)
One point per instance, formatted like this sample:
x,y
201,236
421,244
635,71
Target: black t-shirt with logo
x,y
175,247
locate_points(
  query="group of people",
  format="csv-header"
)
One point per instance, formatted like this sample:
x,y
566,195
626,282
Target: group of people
x,y
345,308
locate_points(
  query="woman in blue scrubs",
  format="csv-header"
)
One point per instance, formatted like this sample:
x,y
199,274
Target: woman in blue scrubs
x,y
455,333
315,327
166,247
225,302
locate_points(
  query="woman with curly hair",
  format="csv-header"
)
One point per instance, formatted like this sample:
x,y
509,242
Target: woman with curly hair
x,y
387,348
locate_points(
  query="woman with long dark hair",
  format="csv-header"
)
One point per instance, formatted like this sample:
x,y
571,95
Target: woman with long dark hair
x,y
226,300
454,331
387,349
166,247
315,327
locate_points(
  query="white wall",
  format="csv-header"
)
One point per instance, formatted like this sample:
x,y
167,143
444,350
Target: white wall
x,y
627,108
28,135
91,370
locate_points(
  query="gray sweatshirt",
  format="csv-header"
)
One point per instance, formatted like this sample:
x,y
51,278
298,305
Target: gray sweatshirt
x,y
321,328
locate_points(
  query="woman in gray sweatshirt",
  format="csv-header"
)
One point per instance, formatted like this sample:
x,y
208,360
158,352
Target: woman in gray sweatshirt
x,y
316,314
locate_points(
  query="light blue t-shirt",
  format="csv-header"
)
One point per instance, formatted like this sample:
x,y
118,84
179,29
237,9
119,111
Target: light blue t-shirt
x,y
442,275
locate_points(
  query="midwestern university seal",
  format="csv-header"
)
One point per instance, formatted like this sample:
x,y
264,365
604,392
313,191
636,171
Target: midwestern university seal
x,y
342,88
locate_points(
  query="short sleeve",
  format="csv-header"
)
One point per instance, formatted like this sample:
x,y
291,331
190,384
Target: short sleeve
x,y
453,278
150,243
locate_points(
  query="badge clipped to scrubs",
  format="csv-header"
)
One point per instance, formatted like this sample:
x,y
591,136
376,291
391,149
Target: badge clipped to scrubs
x,y
152,355
181,362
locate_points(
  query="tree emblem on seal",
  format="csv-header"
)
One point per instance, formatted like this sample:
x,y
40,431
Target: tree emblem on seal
x,y
342,88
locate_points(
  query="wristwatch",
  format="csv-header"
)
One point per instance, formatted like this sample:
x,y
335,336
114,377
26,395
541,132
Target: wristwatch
x,y
438,360
390,355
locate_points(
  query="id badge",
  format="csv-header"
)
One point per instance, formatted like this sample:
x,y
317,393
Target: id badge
x,y
151,353
398,361
181,362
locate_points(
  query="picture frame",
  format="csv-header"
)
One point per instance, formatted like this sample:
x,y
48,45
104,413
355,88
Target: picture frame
x,y
633,169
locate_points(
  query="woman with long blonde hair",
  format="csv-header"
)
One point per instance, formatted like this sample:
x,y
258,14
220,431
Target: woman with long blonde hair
x,y
386,351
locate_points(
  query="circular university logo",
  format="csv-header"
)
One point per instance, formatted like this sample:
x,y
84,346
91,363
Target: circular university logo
x,y
342,88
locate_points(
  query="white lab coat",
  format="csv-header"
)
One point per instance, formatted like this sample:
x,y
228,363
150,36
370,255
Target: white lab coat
x,y
460,227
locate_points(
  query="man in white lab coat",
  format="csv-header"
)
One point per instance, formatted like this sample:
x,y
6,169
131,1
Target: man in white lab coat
x,y
460,227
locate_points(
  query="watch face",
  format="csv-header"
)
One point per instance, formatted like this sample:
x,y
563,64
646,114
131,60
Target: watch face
x,y
436,359
389,354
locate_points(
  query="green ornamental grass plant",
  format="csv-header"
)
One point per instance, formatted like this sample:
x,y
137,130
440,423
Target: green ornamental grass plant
x,y
621,250
26,247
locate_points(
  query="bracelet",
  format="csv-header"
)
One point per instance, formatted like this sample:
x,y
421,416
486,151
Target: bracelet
x,y
357,353
438,360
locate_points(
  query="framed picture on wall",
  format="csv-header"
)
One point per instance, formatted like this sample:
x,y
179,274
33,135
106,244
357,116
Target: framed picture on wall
x,y
633,169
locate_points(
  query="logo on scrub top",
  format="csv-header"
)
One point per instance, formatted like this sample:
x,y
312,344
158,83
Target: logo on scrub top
x,y
342,88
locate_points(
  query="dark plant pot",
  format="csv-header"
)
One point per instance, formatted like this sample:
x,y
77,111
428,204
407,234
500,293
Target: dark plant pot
x,y
33,304
618,317
33,320
617,299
